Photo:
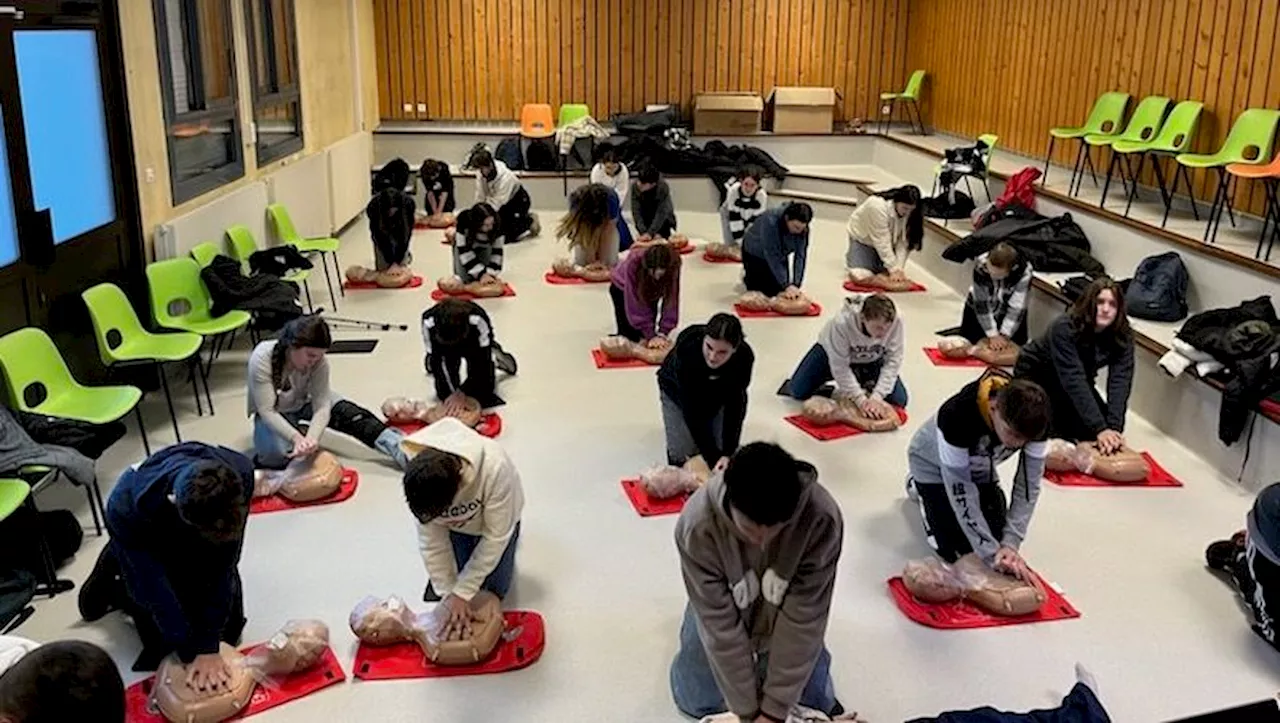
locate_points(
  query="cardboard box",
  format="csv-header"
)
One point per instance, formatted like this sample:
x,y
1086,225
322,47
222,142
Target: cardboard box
x,y
727,113
802,110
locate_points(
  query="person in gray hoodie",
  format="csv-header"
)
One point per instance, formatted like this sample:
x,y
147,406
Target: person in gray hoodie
x,y
758,545
861,350
952,462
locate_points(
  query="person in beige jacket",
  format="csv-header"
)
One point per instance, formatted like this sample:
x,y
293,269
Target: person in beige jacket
x,y
883,231
466,495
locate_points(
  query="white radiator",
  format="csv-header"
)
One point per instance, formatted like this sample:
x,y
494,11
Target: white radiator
x,y
303,188
245,205
349,160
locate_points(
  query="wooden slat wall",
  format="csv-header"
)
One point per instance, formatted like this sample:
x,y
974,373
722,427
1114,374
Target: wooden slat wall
x,y
1017,68
483,59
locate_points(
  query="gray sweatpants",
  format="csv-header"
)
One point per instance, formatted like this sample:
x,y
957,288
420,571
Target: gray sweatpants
x,y
680,444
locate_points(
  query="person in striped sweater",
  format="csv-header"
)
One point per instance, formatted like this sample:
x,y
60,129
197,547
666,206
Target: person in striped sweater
x,y
477,244
745,200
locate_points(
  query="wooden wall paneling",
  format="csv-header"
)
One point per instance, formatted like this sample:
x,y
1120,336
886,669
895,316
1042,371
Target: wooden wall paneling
x,y
408,89
1263,58
385,69
429,58
578,34
840,58
419,61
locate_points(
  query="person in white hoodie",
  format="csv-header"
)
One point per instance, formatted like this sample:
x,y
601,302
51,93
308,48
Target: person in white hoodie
x,y
883,231
611,172
497,186
466,495
861,350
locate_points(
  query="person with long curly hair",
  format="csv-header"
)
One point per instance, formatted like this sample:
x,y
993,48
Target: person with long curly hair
x,y
591,226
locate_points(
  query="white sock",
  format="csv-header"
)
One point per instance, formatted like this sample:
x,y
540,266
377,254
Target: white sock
x,y
1084,676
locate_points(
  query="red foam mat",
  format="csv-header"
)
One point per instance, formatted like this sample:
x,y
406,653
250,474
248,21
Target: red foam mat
x,y
438,295
960,615
815,309
522,644
939,360
1159,477
557,280
865,289
602,361
350,285
831,432
718,259
490,426
276,503
137,698
647,506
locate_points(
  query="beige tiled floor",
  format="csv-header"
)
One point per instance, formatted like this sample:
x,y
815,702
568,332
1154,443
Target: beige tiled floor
x,y
1163,636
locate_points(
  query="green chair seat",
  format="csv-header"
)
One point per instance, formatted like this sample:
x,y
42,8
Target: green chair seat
x,y
30,360
173,347
571,113
891,96
1175,136
13,492
1249,141
205,253
206,325
1144,125
121,337
1104,119
180,301
243,245
288,233
97,405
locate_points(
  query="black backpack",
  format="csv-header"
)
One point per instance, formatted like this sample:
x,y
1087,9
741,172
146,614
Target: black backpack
x,y
508,151
540,156
1158,291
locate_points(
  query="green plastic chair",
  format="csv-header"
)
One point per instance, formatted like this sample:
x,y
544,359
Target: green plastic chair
x,y
122,342
39,381
242,247
14,495
1250,141
288,234
571,112
1143,126
179,300
1175,137
1103,120
911,94
205,253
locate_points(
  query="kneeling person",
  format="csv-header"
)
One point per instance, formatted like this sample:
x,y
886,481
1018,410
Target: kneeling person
x,y
759,545
454,331
1252,559
952,462
702,386
466,495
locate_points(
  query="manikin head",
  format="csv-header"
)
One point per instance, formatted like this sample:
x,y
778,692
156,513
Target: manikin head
x,y
749,180
1000,261
762,486
431,481
722,338
211,498
1100,309
647,177
796,218
1020,413
878,315
66,680
482,161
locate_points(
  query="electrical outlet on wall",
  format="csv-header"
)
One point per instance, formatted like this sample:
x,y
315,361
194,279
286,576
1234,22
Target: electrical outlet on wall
x,y
149,174
408,107
422,107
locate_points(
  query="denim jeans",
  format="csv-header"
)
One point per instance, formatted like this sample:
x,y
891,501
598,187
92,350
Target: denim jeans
x,y
862,256
815,371
499,581
270,449
680,443
694,687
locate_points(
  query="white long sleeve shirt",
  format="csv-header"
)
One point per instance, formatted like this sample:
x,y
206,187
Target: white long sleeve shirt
x,y
488,505
499,191
620,182
875,223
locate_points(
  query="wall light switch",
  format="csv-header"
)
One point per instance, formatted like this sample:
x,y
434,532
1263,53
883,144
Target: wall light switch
x,y
408,107
422,107
149,174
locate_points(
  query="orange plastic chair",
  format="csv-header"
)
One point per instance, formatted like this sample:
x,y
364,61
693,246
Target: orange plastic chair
x,y
1269,174
536,121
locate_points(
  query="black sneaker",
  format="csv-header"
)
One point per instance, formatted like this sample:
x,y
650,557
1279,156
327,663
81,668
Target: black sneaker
x,y
1220,555
101,592
430,594
504,361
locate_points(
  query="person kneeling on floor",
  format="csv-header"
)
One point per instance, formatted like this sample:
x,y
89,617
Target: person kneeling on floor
x,y
172,564
758,545
702,386
995,310
883,231
861,349
454,331
477,245
651,208
952,462
645,291
499,187
777,240
1252,560
62,682
745,200
466,495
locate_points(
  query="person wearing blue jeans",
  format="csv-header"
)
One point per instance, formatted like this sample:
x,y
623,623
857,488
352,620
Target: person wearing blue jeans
x,y
861,350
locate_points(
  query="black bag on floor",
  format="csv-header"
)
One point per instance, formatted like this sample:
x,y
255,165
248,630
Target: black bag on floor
x,y
540,155
17,589
955,204
508,151
1159,289
18,537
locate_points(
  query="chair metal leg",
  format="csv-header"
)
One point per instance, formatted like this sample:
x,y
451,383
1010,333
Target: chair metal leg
x,y
51,586
986,184
915,105
1267,213
337,274
194,376
168,400
333,299
1220,199
1106,186
1186,176
1133,187
886,119
1077,171
142,427
1088,161
204,377
93,509
102,508
1044,177
306,291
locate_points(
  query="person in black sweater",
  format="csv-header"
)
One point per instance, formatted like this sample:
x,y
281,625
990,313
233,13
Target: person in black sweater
x,y
1094,333
437,184
703,387
456,330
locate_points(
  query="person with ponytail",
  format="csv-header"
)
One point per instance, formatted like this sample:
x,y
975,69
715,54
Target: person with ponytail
x,y
647,279
883,231
289,383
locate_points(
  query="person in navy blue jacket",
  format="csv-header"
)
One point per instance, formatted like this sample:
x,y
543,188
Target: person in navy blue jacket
x,y
177,528
775,250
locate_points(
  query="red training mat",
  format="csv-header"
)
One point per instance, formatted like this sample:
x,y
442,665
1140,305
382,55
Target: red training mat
x,y
350,285
276,503
137,698
604,362
960,615
1271,409
648,506
865,289
438,295
831,432
939,360
718,259
1157,478
557,280
815,309
490,426
521,646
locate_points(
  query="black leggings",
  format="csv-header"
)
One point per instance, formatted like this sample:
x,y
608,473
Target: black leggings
x,y
514,216
942,528
757,276
971,328
625,329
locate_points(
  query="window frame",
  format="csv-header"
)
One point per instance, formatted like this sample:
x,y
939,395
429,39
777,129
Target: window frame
x,y
224,110
276,94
